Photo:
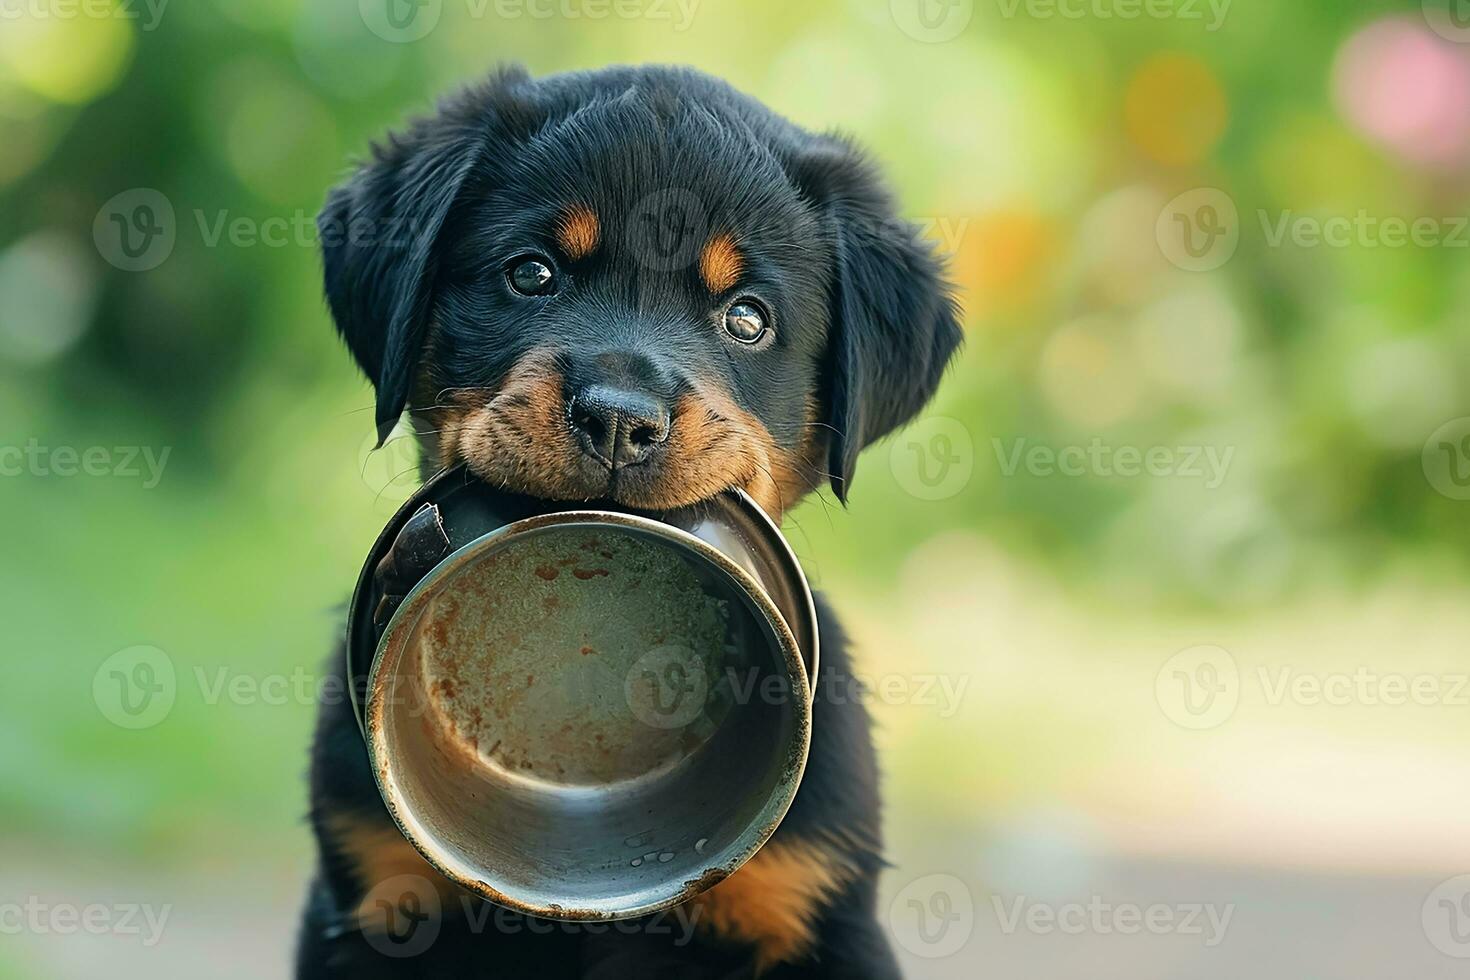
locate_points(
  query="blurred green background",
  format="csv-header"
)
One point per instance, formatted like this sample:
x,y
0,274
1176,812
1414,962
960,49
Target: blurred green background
x,y
1208,429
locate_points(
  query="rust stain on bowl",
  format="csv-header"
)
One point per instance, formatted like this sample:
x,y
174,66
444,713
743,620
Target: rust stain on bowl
x,y
501,671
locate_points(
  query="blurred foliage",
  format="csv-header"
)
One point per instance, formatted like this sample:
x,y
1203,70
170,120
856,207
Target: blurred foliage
x,y
1042,149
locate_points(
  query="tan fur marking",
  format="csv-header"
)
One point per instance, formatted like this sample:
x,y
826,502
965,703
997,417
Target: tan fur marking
x,y
720,264
379,853
578,232
773,901
514,435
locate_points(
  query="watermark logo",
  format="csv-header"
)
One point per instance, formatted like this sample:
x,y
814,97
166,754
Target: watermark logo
x,y
667,687
1450,19
135,688
135,230
667,229
1199,230
932,21
934,458
933,917
401,916
400,21
1446,917
1446,459
393,467
1198,688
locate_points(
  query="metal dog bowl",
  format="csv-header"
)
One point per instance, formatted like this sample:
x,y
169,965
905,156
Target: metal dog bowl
x,y
582,714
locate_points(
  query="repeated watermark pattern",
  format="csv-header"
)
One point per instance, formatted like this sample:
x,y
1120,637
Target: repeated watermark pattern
x,y
1450,19
139,686
1202,686
1363,229
38,917
1211,464
1446,459
136,687
669,687
932,21
143,463
934,458
137,230
406,21
1445,917
1210,14
1100,916
935,916
402,917
146,13
1200,230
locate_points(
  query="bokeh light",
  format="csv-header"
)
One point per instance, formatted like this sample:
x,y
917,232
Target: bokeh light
x,y
1175,109
71,59
1409,89
48,291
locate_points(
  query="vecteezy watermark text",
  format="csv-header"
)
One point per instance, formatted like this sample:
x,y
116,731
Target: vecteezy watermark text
x,y
1211,13
1099,916
126,462
1363,230
147,12
1210,463
38,917
406,21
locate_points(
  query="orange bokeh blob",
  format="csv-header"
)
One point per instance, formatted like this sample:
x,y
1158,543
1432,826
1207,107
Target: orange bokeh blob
x,y
1175,110
1001,259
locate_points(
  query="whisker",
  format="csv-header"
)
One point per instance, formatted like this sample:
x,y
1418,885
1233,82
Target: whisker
x,y
391,480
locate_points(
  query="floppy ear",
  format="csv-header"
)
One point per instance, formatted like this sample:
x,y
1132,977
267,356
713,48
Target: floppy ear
x,y
380,232
893,323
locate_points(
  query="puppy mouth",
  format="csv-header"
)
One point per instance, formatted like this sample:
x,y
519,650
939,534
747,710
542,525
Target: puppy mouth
x,y
520,437
496,450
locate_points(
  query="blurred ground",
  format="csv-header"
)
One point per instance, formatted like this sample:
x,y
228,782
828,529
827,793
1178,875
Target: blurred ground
x,y
1039,769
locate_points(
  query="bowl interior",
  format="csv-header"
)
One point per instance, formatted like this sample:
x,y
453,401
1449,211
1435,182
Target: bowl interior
x,y
583,718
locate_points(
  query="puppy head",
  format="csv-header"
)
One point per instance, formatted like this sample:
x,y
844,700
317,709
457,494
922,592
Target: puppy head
x,y
633,284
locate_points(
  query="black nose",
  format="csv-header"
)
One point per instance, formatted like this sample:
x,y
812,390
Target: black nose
x,y
619,427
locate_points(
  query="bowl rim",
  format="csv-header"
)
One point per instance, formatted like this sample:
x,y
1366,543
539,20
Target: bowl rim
x,y
400,628
358,679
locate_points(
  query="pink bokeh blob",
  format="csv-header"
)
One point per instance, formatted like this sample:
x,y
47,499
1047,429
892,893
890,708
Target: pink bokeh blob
x,y
1409,89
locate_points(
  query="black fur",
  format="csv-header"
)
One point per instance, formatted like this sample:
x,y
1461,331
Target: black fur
x,y
416,245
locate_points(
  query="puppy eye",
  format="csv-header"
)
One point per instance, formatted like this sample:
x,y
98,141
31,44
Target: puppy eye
x,y
531,276
745,321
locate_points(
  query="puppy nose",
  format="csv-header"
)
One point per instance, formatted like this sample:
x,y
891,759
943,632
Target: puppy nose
x,y
618,426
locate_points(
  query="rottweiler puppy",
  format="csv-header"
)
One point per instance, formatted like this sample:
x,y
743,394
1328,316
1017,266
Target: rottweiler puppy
x,y
634,284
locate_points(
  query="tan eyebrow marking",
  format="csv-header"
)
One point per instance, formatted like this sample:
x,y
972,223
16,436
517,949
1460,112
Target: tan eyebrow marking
x,y
578,232
720,263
